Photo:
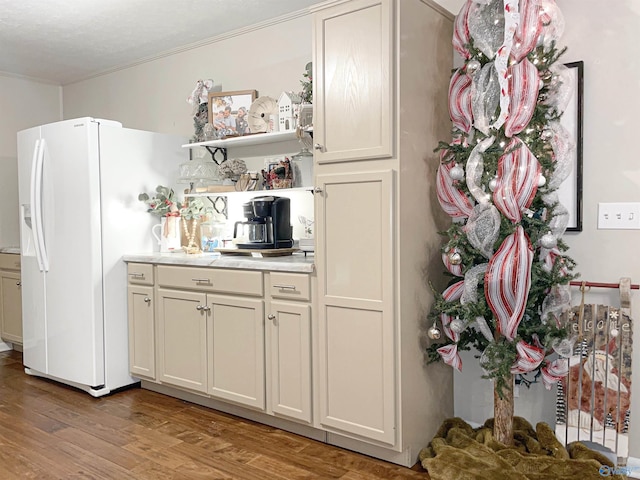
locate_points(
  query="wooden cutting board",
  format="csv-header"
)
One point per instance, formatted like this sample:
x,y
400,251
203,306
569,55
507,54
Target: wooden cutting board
x,y
264,252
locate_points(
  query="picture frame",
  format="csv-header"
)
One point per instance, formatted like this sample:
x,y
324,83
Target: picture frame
x,y
570,191
236,101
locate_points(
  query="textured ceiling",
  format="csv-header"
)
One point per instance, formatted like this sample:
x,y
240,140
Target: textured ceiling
x,y
63,41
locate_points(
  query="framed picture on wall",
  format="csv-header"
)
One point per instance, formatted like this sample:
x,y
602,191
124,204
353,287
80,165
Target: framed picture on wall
x,y
228,111
570,191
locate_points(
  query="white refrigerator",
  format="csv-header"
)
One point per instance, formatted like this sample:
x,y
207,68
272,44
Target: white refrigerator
x,y
79,182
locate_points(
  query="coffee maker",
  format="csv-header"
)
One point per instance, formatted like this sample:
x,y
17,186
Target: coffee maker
x,y
267,224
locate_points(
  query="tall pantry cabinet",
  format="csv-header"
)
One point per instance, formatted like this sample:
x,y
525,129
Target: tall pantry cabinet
x,y
381,75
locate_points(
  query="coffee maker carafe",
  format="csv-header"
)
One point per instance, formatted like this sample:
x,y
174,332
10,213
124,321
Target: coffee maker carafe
x,y
267,224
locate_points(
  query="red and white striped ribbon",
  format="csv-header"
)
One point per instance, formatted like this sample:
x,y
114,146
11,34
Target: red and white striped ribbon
x,y
501,60
528,29
517,180
452,200
453,269
552,256
460,100
524,84
449,354
461,31
452,293
529,357
554,371
508,280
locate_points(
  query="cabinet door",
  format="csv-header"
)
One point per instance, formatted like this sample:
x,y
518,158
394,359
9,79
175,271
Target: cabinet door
x,y
10,307
289,329
182,339
353,78
355,261
142,341
236,349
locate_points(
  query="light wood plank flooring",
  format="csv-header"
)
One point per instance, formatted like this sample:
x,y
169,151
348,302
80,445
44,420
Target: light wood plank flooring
x,y
50,431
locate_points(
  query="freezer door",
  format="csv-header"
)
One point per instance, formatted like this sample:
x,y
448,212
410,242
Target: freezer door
x,y
72,243
32,277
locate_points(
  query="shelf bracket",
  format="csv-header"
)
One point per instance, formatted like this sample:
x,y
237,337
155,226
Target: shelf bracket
x,y
216,151
219,204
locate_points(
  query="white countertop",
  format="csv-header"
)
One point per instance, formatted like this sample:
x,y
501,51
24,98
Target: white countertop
x,y
15,250
288,263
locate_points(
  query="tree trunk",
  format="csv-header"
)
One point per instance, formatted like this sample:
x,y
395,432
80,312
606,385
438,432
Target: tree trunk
x,y
503,413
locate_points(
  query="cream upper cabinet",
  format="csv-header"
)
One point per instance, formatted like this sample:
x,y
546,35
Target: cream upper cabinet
x,y
381,87
10,298
236,349
355,317
353,81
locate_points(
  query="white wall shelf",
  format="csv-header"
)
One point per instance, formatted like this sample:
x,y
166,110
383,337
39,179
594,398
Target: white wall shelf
x,y
265,192
246,140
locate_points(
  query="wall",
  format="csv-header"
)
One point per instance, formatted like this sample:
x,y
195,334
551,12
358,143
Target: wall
x,y
24,104
605,39
152,96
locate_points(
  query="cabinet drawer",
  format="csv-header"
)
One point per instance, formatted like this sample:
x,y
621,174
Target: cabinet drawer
x,y
9,261
140,273
240,282
294,286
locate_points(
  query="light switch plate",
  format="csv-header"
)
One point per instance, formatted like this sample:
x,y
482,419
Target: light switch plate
x,y
619,216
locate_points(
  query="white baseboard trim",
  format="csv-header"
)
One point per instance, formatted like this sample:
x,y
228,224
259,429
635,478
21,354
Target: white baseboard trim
x,y
5,347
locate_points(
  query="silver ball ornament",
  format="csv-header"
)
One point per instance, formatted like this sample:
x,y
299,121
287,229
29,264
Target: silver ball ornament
x,y
473,66
456,325
614,332
434,333
546,134
548,240
455,258
542,181
456,172
493,183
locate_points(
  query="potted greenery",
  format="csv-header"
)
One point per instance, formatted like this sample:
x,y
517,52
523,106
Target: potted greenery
x,y
193,213
162,204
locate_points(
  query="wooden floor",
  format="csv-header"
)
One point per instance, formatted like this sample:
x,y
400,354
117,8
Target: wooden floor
x,y
50,431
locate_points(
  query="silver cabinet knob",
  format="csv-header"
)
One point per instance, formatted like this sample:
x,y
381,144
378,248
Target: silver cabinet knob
x,y
271,316
18,283
147,299
206,308
318,190
317,146
199,308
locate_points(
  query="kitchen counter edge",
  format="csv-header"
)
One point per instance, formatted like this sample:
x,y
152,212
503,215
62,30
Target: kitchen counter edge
x,y
290,263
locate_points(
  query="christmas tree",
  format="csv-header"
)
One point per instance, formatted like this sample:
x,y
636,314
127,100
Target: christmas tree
x,y
498,180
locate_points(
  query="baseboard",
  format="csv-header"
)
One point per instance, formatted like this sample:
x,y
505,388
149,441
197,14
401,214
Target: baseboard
x,y
5,347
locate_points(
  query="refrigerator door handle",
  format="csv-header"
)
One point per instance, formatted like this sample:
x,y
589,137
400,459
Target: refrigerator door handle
x,y
36,206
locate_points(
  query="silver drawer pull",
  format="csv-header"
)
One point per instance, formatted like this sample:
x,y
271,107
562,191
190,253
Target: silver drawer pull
x,y
271,316
201,280
206,308
147,299
137,275
18,283
285,287
199,307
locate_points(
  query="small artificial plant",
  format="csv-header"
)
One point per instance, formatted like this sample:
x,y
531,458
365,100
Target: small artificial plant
x,y
195,211
162,203
307,84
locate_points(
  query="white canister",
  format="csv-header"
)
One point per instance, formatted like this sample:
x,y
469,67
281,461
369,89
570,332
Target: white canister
x,y
168,235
